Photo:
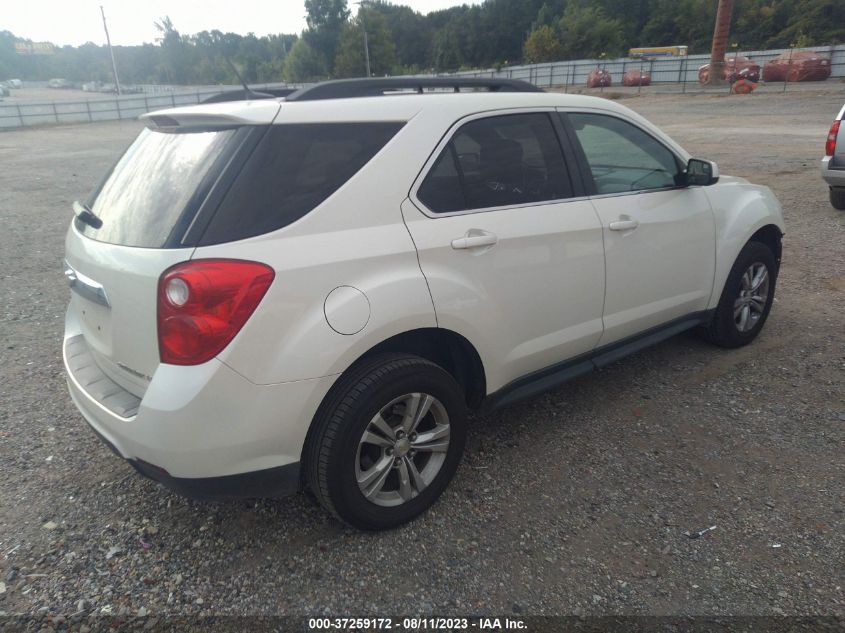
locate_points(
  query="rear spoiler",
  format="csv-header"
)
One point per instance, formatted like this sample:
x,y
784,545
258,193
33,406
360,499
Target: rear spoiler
x,y
221,114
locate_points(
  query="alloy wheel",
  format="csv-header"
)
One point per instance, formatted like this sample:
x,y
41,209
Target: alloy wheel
x,y
402,449
750,305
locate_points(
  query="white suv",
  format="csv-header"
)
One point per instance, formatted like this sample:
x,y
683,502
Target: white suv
x,y
277,294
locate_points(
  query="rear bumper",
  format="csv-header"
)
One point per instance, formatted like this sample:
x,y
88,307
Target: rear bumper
x,y
834,177
272,482
206,431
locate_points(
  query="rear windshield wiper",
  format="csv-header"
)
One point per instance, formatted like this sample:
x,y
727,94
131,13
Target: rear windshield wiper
x,y
84,214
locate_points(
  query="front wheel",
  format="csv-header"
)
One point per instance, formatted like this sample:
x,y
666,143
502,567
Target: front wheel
x,y
746,298
387,441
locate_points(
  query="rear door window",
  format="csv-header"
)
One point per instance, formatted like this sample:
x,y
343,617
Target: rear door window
x,y
507,160
294,168
155,188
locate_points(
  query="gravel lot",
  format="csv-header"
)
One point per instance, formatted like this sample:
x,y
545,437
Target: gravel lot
x,y
576,502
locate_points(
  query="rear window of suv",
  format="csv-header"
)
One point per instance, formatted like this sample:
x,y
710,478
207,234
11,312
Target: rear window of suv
x,y
153,194
155,188
294,168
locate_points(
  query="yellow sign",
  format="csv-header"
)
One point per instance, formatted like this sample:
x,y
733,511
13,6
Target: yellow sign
x,y
659,51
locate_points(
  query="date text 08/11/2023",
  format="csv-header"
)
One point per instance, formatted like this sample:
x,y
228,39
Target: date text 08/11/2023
x,y
417,623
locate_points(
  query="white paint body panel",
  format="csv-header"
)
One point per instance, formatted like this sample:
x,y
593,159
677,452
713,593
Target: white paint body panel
x,y
206,420
528,302
534,299
662,269
740,209
241,112
123,335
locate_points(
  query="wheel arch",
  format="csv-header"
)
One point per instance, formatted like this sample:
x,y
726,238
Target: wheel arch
x,y
771,236
742,212
446,348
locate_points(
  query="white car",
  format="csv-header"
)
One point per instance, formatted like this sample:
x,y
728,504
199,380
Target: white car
x,y
311,292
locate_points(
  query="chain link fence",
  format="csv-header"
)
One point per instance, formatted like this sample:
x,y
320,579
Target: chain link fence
x,y
13,115
667,74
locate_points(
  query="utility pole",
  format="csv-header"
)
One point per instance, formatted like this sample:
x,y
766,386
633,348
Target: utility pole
x,y
111,52
366,45
721,33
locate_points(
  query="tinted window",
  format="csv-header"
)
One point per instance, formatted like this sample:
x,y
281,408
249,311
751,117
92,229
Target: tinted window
x,y
621,156
154,186
441,190
498,161
294,169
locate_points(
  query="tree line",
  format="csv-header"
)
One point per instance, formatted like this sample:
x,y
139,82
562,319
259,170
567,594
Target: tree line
x,y
494,33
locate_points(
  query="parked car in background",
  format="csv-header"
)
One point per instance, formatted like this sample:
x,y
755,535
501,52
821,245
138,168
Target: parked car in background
x,y
91,86
14,83
61,84
124,89
833,163
797,66
313,291
735,67
4,90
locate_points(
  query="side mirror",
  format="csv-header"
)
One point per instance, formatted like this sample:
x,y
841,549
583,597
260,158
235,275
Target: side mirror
x,y
701,172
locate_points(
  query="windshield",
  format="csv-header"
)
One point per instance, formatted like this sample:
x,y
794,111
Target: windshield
x,y
154,190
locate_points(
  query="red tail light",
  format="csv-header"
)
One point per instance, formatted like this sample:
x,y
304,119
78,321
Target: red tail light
x,y
830,146
203,304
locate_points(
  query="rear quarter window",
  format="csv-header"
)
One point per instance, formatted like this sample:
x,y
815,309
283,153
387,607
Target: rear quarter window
x,y
294,168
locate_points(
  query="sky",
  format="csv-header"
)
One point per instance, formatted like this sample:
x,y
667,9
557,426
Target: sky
x,y
131,21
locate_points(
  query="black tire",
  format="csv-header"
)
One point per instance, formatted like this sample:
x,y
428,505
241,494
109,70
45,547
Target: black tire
x,y
723,329
837,198
332,453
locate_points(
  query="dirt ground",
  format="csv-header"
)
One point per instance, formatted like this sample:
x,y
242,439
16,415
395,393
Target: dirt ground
x,y
575,502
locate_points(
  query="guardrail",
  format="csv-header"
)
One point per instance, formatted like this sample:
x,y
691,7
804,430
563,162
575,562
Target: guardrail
x,y
673,74
13,115
668,74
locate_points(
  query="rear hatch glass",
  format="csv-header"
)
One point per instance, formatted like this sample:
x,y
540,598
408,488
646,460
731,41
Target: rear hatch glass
x,y
153,192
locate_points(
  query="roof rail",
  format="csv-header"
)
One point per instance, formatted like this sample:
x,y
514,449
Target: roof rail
x,y
376,87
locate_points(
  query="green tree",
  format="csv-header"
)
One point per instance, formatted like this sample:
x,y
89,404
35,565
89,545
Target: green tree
x,y
350,60
815,21
466,36
541,46
589,32
411,33
303,63
175,57
325,20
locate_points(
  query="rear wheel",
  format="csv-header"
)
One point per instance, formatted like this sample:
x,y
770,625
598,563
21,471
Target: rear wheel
x,y
837,198
746,298
387,441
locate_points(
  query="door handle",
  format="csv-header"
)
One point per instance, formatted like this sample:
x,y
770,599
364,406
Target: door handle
x,y
474,240
623,225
